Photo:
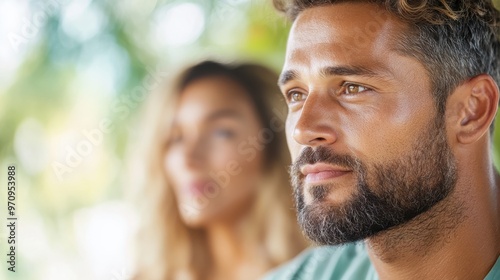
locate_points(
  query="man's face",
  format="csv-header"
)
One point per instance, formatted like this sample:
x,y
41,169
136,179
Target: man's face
x,y
369,151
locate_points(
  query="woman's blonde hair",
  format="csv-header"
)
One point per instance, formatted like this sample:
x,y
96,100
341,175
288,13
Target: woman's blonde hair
x,y
169,249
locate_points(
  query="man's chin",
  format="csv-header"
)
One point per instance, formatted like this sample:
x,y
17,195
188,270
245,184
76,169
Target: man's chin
x,y
328,224
328,195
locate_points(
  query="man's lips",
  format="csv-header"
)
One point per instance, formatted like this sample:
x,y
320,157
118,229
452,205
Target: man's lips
x,y
315,173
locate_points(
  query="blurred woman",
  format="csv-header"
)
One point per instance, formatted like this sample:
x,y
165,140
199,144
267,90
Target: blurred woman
x,y
217,194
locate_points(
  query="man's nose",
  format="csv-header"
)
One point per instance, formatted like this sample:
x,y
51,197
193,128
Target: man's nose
x,y
316,123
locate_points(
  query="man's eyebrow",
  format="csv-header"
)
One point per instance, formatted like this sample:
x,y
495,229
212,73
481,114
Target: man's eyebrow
x,y
290,75
224,113
287,76
348,71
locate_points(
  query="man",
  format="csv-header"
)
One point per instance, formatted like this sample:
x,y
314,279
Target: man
x,y
391,103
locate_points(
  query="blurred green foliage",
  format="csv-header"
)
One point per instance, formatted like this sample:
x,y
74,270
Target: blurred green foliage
x,y
71,65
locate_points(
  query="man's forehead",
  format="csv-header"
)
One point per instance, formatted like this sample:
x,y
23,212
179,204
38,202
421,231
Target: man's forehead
x,y
348,13
345,33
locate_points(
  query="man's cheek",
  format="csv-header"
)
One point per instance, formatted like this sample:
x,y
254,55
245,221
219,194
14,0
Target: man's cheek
x,y
293,146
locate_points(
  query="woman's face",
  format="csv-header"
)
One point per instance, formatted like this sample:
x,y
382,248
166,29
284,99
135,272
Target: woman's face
x,y
214,157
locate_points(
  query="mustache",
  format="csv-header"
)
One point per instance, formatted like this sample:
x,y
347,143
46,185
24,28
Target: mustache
x,y
319,154
322,154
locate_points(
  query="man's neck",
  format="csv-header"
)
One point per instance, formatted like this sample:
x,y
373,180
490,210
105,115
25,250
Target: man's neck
x,y
458,238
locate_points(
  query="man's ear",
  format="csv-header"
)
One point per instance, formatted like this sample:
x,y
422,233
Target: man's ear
x,y
474,106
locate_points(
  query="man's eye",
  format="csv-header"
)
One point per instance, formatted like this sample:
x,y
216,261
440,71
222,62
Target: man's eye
x,y
296,96
353,89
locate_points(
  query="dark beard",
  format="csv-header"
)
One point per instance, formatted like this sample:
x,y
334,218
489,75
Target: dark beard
x,y
386,195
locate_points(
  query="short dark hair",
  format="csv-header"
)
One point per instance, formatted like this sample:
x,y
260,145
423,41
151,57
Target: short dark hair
x,y
455,40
